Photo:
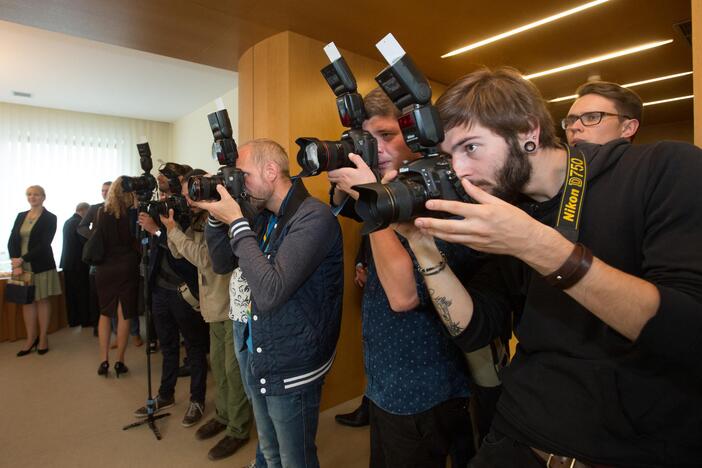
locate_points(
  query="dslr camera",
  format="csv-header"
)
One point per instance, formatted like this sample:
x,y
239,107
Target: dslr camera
x,y
225,151
316,156
144,185
426,178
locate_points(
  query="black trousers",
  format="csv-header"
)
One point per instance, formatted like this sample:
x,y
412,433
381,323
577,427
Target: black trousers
x,y
77,296
422,440
500,451
174,317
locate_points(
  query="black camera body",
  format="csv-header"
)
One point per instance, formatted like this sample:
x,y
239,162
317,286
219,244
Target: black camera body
x,y
144,185
225,150
177,203
423,179
317,156
404,198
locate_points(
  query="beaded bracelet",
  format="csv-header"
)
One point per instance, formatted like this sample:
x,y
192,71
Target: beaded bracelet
x,y
432,270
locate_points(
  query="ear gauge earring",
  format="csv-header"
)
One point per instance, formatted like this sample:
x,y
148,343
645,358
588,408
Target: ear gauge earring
x,y
529,146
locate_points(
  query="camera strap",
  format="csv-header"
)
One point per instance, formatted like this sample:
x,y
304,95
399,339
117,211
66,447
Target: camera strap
x,y
571,206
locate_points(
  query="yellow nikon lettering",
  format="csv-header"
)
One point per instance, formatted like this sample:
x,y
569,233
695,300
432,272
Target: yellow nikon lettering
x,y
571,205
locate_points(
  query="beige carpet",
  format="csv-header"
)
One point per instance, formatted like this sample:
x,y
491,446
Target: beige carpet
x,y
57,412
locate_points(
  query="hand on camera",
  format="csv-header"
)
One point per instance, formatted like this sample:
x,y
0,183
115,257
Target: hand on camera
x,y
347,177
147,223
17,271
17,262
491,225
226,209
168,221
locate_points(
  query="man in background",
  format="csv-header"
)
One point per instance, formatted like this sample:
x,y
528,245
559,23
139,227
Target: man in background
x,y
603,112
75,271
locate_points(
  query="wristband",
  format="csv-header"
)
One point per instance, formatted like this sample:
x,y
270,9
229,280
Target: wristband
x,y
432,270
573,269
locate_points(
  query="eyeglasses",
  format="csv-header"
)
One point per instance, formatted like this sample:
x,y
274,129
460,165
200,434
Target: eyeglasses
x,y
589,119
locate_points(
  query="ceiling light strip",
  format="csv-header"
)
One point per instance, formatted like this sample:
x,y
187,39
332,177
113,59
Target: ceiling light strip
x,y
653,80
601,58
629,85
663,101
526,27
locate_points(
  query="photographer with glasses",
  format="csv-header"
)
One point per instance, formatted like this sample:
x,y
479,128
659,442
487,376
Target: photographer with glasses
x,y
603,112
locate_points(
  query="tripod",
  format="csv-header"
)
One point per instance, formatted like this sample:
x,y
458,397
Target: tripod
x,y
144,269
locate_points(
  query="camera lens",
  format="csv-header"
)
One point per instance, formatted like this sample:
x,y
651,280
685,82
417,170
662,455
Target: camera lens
x,y
379,205
144,183
317,156
204,188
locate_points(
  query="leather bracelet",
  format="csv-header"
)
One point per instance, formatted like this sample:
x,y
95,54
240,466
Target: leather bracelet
x,y
432,270
573,269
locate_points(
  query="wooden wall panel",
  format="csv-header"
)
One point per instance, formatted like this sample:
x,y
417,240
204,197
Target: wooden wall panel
x,y
697,67
245,101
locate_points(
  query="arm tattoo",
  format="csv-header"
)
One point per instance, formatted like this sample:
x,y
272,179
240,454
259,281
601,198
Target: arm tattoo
x,y
442,305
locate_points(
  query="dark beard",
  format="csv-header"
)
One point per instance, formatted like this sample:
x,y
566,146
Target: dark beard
x,y
514,175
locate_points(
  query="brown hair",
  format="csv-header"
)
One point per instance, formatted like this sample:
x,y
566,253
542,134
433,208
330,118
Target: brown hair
x,y
378,104
627,102
118,201
263,150
500,100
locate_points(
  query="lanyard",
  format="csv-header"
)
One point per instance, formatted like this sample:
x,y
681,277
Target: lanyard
x,y
569,212
270,227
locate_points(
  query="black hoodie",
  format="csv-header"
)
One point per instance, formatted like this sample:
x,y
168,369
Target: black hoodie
x,y
576,387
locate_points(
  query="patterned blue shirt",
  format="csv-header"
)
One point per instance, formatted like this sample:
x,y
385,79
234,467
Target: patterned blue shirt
x,y
410,361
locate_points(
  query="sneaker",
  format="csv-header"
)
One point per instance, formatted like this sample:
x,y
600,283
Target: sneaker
x,y
194,413
160,403
210,429
225,448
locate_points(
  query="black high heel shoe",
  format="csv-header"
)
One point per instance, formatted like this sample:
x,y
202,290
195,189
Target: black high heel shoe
x,y
43,351
24,352
120,368
104,368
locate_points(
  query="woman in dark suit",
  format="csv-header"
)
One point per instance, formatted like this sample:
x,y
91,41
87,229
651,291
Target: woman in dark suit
x,y
117,277
33,260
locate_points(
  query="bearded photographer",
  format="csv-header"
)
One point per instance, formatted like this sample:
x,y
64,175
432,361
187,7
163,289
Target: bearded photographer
x,y
599,259
292,259
233,412
173,315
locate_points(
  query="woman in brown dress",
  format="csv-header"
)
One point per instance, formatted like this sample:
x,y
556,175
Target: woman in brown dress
x,y
33,260
117,277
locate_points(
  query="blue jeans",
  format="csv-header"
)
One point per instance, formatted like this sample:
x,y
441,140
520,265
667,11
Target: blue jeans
x,y
243,358
287,426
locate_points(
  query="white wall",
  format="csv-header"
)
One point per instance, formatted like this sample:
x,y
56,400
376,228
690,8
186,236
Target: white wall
x,y
192,137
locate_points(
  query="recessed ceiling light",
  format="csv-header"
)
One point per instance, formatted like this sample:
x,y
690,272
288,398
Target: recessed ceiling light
x,y
662,101
526,27
600,58
629,85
